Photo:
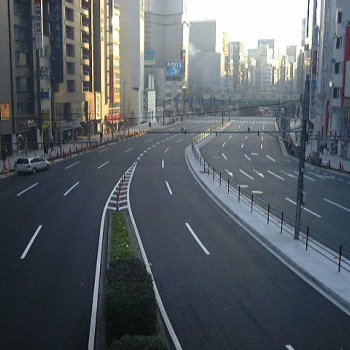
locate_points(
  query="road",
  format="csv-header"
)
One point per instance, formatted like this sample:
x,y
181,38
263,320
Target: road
x,y
221,289
257,163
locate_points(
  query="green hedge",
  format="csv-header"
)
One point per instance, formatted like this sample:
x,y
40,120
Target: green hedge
x,y
130,300
140,342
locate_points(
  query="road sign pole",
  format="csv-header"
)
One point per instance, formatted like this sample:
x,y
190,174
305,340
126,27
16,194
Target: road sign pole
x,y
306,101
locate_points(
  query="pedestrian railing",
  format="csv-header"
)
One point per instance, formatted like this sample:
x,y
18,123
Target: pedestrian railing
x,y
323,245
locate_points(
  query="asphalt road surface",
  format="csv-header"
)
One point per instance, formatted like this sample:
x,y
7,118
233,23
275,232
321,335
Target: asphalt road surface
x,y
221,289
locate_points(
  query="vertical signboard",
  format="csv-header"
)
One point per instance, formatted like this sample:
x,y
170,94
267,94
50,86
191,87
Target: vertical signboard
x,y
56,42
38,20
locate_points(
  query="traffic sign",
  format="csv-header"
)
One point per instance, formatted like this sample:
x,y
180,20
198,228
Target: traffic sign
x,y
212,100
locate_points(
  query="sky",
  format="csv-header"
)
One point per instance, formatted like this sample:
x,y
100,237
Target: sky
x,y
250,20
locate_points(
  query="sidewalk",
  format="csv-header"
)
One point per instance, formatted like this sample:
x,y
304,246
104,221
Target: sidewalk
x,y
331,161
319,271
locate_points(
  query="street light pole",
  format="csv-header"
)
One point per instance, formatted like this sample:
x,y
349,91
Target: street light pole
x,y
300,198
124,82
222,112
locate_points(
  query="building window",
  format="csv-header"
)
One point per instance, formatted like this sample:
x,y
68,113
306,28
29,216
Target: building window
x,y
70,50
70,1
337,67
69,14
339,43
86,70
70,85
86,86
22,58
85,54
24,107
70,68
22,34
70,32
23,84
168,94
339,17
336,92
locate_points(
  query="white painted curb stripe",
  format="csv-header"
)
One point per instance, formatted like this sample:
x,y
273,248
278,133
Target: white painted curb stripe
x,y
197,239
27,189
71,189
31,242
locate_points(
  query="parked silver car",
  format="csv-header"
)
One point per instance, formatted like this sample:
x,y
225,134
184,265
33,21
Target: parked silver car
x,y
31,165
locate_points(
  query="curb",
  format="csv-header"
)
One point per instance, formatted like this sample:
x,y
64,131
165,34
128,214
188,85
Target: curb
x,y
323,289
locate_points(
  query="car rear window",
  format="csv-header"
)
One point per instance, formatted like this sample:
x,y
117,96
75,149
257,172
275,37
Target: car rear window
x,y
22,161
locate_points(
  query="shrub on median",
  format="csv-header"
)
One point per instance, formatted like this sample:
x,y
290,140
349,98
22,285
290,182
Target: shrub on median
x,y
130,300
140,342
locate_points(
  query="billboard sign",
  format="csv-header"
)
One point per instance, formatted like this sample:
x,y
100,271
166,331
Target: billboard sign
x,y
150,58
5,111
56,42
174,68
38,20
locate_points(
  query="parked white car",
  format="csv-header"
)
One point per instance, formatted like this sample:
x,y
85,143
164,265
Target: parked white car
x,y
31,165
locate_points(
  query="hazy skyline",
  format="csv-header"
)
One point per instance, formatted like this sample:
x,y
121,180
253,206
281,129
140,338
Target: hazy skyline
x,y
250,20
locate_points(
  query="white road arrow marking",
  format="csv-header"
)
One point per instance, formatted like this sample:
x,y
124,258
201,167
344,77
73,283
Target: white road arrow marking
x,y
228,172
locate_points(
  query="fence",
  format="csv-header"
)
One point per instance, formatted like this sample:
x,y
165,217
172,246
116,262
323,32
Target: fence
x,y
334,252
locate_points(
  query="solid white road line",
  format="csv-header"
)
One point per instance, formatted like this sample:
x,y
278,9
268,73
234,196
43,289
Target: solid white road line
x,y
163,164
224,156
71,189
270,158
128,150
197,239
246,174
102,165
169,189
72,165
248,158
27,189
309,211
223,145
336,204
104,150
166,150
261,146
230,137
289,347
242,145
279,177
31,242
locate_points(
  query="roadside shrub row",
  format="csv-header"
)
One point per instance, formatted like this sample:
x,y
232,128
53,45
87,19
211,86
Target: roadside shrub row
x,y
131,309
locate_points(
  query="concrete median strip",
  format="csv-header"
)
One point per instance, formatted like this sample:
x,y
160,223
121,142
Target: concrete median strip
x,y
319,272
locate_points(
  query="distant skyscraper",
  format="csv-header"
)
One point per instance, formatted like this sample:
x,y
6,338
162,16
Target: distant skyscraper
x,y
269,42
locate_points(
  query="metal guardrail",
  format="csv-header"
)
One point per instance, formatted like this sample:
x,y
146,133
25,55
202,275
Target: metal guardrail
x,y
329,249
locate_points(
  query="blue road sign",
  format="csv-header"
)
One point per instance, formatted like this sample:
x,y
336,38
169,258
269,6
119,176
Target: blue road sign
x,y
176,100
212,100
200,100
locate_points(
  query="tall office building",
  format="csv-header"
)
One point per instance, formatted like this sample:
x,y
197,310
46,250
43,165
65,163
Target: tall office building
x,y
132,62
166,52
205,57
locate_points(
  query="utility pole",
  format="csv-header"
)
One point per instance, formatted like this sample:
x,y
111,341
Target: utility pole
x,y
222,112
300,193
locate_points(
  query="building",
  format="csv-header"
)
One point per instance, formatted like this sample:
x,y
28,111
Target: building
x,y
106,67
326,61
205,57
132,60
166,53
268,42
19,119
